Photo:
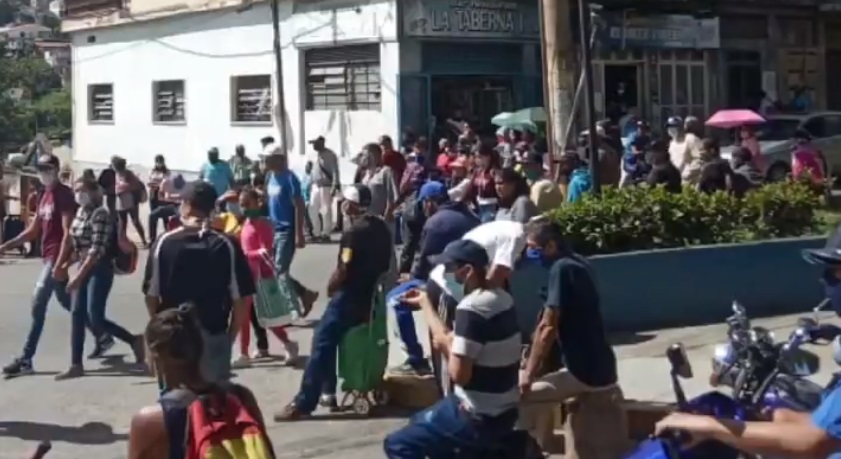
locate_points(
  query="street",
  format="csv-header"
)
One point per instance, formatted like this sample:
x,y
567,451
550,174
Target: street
x,y
89,417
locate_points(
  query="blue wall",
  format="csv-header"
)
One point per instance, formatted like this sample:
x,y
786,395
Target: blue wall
x,y
691,286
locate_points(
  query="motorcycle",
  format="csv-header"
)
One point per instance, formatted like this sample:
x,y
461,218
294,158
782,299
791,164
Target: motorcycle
x,y
753,349
766,374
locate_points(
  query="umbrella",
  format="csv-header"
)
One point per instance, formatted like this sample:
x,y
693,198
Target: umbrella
x,y
508,120
532,114
727,119
502,119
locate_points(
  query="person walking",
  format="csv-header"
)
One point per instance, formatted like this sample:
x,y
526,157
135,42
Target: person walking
x,y
53,217
241,166
325,184
159,174
92,241
217,172
129,193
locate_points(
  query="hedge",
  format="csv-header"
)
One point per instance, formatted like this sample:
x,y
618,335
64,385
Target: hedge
x,y
642,218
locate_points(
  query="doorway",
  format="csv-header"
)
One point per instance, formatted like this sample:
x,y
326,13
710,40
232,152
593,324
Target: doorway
x,y
744,79
474,99
621,89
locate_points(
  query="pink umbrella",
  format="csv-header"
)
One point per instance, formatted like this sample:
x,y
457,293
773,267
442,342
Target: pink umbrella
x,y
727,119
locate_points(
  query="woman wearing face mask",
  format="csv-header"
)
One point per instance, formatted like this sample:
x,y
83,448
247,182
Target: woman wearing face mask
x,y
91,242
514,202
128,190
483,190
257,239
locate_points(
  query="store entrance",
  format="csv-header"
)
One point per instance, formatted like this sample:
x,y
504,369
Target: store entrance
x,y
474,99
621,89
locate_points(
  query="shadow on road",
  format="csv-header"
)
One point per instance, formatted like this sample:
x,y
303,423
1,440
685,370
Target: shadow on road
x,y
91,433
624,339
115,365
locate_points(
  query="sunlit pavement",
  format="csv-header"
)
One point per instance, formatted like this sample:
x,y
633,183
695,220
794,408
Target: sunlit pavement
x,y
89,417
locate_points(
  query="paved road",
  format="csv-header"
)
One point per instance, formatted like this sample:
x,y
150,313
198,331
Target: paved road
x,y
89,417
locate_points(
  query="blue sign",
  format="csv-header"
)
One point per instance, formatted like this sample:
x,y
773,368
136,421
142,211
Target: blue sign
x,y
660,32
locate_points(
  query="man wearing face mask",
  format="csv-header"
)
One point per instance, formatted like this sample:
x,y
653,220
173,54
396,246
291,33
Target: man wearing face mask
x,y
483,353
241,166
53,217
217,172
364,258
571,318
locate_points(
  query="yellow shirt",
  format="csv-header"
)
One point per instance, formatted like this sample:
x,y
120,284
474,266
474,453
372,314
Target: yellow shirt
x,y
228,223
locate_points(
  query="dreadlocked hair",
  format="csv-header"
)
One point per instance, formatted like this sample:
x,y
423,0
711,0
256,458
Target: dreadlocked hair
x,y
176,333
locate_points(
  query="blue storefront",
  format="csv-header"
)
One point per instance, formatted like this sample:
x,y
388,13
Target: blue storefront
x,y
467,60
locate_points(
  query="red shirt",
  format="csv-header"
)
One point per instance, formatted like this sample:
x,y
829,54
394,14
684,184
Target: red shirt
x,y
443,162
56,200
396,162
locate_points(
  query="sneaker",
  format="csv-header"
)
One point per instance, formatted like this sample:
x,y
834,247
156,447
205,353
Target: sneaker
x,y
290,413
407,369
103,345
138,348
75,371
290,352
329,402
18,367
242,361
261,354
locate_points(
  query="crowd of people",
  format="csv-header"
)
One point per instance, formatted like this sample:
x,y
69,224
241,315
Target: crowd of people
x,y
468,214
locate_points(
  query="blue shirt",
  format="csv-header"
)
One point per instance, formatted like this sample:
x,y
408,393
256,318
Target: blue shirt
x,y
219,175
579,183
827,416
449,223
283,188
306,186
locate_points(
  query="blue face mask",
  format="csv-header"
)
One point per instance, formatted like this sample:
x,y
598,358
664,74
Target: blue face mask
x,y
454,286
234,208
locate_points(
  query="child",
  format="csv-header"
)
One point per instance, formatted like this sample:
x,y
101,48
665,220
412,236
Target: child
x,y
257,239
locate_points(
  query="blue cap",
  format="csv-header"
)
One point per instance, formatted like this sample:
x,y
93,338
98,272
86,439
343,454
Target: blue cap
x,y
462,251
433,190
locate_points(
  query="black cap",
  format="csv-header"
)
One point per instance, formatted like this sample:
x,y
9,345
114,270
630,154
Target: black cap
x,y
200,195
317,139
48,162
462,251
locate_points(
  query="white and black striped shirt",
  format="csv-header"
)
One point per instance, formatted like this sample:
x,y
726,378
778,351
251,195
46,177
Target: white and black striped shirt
x,y
487,332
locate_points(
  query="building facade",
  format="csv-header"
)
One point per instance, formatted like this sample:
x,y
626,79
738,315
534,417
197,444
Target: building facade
x,y
150,81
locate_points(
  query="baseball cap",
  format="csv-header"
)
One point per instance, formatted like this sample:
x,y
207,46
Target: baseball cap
x,y
824,257
200,196
462,251
48,162
317,139
358,194
433,190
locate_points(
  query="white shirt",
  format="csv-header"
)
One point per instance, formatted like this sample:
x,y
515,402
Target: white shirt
x,y
503,240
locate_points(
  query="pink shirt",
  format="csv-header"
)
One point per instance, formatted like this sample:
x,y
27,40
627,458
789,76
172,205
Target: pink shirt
x,y
752,144
257,234
806,160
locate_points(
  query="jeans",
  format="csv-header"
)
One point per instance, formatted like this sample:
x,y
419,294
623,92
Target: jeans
x,y
445,428
89,303
164,211
284,252
45,286
320,374
405,322
215,362
487,212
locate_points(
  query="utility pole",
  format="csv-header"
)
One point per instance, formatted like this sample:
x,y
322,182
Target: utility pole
x,y
558,54
278,60
589,95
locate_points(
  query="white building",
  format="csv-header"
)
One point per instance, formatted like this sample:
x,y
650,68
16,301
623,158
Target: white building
x,y
15,36
176,78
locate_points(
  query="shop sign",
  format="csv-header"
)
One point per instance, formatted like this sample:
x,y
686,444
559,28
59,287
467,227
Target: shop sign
x,y
511,19
660,32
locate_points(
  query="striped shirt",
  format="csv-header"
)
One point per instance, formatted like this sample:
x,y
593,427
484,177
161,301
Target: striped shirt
x,y
90,231
487,332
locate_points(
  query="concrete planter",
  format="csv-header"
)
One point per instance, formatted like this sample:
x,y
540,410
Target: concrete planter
x,y
696,285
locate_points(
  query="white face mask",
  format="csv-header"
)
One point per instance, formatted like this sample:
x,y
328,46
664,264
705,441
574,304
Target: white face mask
x,y
83,199
673,132
47,178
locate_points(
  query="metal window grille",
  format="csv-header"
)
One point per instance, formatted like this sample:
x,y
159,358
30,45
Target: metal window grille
x,y
101,99
252,96
169,101
345,78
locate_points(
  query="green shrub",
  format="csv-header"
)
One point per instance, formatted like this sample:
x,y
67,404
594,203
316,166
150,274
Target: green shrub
x,y
641,218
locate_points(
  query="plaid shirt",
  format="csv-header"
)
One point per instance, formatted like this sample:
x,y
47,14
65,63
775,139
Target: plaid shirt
x,y
90,231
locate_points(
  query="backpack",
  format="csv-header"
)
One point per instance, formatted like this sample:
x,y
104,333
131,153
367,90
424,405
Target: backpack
x,y
220,427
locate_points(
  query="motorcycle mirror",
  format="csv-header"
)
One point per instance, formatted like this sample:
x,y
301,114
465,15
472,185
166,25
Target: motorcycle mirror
x,y
676,354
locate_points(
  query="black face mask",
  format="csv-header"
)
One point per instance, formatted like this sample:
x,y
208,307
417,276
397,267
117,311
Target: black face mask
x,y
213,159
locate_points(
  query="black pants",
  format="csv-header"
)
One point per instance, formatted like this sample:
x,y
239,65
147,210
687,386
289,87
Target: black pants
x,y
163,211
411,243
259,333
134,215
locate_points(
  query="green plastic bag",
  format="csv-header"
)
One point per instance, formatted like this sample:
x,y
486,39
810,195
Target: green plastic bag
x,y
363,352
276,303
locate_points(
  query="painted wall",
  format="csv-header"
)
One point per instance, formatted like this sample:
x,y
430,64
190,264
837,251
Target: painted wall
x,y
206,50
685,287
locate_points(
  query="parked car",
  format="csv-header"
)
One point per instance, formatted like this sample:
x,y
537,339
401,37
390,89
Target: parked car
x,y
775,140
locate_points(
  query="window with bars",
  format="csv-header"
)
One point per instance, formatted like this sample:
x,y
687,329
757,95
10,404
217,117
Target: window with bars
x,y
168,101
344,78
251,99
101,103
